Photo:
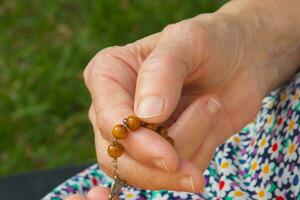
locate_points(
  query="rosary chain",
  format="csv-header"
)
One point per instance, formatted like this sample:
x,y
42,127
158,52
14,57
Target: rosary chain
x,y
115,168
116,175
115,149
117,179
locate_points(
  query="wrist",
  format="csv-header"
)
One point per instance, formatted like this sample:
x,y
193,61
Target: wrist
x,y
272,33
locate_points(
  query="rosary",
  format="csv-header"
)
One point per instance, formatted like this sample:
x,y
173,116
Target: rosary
x,y
115,149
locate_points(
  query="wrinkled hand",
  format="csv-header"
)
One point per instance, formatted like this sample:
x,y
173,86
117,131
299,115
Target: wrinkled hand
x,y
191,73
205,77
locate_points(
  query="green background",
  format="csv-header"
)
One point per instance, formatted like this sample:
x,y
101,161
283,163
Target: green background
x,y
44,47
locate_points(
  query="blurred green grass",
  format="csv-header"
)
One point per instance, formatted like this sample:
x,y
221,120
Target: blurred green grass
x,y
44,46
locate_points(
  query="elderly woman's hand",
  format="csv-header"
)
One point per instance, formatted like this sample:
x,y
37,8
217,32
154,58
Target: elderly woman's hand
x,y
196,73
205,77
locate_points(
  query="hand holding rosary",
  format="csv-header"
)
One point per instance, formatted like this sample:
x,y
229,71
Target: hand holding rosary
x,y
115,150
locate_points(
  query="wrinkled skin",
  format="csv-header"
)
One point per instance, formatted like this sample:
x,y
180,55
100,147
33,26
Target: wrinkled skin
x,y
212,71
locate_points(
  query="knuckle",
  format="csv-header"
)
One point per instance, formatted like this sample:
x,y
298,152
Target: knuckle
x,y
180,28
92,69
108,52
191,31
91,114
170,28
89,71
86,72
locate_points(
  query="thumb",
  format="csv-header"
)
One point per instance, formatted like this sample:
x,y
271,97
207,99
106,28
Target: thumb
x,y
162,74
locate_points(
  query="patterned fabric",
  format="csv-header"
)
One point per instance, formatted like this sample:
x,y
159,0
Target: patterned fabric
x,y
260,162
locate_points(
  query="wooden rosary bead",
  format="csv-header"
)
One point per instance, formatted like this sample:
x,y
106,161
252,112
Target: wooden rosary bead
x,y
162,130
119,131
115,150
170,140
132,122
151,126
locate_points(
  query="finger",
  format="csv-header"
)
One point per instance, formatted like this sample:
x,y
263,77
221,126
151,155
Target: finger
x,y
111,83
99,192
165,157
163,73
218,134
194,124
120,64
207,149
187,178
76,197
111,77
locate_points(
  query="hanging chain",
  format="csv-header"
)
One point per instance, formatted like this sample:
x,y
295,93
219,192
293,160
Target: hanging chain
x,y
119,183
115,149
115,166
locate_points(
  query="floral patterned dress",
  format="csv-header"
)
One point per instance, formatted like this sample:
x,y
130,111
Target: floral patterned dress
x,y
260,162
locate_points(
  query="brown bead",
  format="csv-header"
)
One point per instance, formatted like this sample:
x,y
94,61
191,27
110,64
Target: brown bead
x,y
132,122
162,130
119,131
115,150
151,126
170,140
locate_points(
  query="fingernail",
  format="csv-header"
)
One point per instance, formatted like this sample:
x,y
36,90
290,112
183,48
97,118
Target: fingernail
x,y
187,183
160,163
213,106
150,106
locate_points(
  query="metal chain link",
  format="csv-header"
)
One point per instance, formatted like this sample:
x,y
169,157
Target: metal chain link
x,y
119,183
115,166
